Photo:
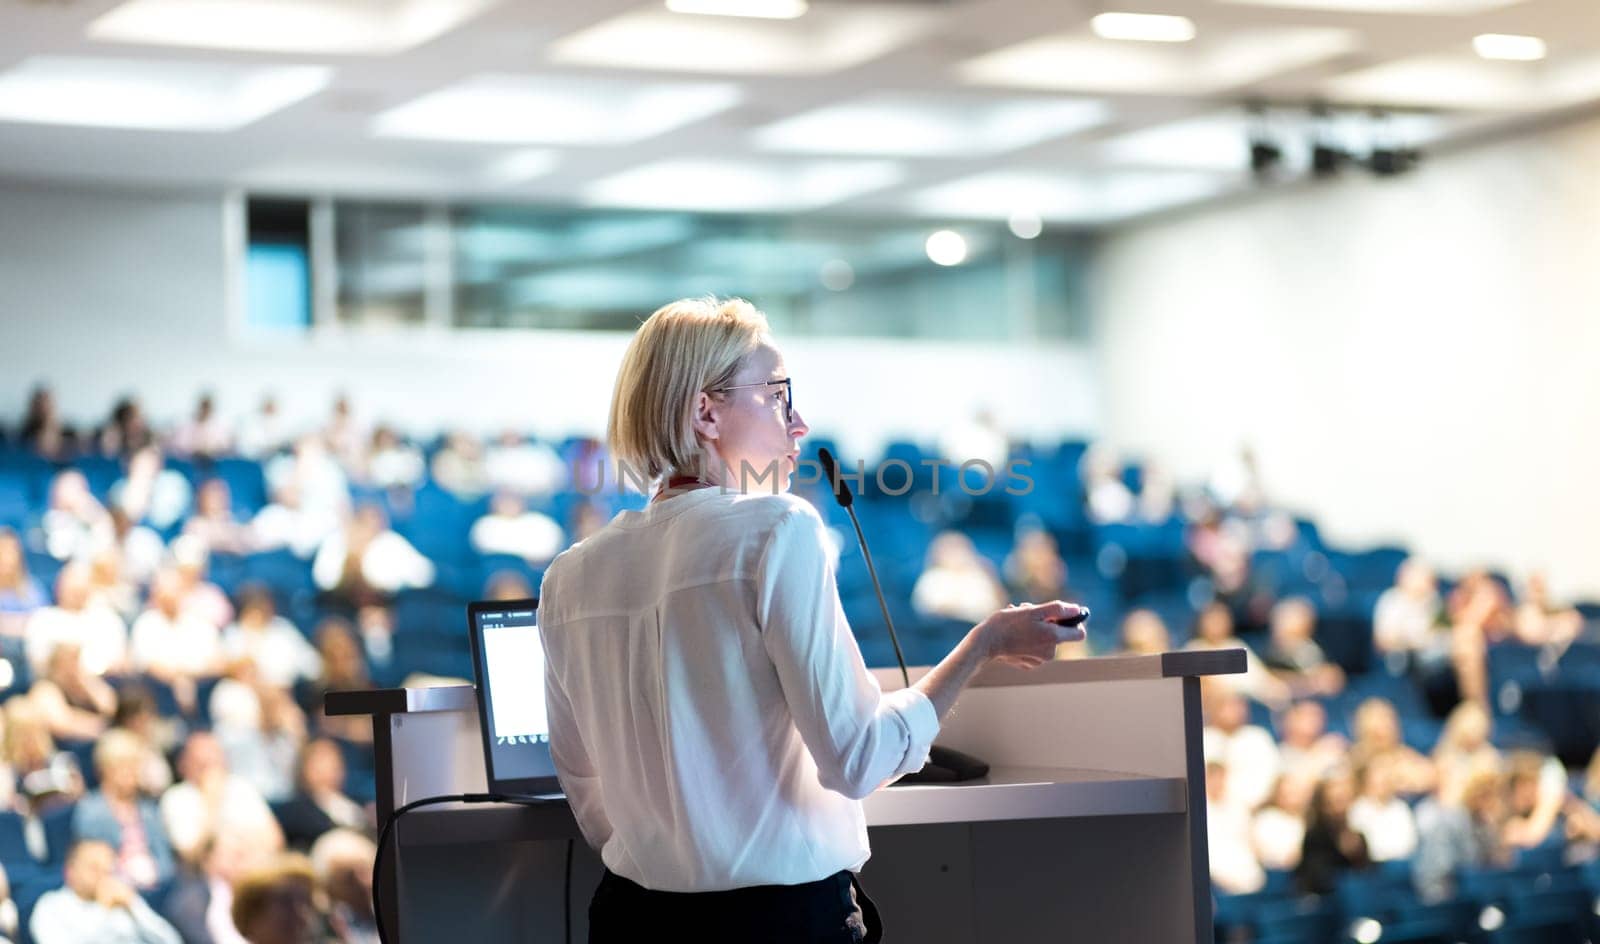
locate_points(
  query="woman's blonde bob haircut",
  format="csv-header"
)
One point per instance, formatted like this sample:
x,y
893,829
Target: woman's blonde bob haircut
x,y
687,347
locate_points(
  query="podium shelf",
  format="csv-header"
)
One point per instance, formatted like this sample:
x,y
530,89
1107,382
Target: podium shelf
x,y
1007,793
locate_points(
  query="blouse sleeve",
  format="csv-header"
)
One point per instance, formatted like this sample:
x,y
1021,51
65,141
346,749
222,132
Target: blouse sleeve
x,y
858,736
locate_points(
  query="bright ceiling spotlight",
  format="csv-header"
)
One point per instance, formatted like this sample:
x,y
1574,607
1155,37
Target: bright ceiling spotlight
x,y
946,247
1143,27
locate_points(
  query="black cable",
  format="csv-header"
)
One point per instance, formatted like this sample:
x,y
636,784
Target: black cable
x,y
383,842
566,899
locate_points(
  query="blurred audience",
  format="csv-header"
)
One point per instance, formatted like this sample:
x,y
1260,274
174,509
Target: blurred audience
x,y
120,815
512,528
957,583
95,906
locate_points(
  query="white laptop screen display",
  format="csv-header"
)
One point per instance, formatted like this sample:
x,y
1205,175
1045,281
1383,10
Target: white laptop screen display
x,y
513,680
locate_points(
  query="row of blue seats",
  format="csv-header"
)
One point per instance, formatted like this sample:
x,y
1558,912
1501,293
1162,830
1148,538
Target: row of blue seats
x,y
1539,901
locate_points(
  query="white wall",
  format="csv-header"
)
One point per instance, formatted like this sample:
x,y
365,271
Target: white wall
x,y
1414,359
106,292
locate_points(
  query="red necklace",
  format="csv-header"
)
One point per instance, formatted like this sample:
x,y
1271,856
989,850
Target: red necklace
x,y
687,482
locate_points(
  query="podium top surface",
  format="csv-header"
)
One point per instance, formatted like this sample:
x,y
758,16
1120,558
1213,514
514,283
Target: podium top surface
x,y
391,701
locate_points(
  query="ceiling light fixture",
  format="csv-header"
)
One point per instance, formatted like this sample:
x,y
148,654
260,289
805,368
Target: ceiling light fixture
x,y
946,247
1508,46
1143,27
756,9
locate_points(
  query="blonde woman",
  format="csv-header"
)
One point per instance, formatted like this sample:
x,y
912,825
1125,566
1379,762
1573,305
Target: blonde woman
x,y
711,718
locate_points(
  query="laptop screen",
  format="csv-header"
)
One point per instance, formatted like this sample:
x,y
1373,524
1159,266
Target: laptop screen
x,y
509,659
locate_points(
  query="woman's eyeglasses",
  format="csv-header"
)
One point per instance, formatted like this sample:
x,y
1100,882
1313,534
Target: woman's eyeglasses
x,y
787,397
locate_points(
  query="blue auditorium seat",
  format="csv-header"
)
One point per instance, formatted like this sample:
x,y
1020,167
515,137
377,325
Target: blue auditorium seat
x,y
101,472
247,485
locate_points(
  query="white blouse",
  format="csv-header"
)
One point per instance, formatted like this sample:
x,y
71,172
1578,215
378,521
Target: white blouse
x,y
711,718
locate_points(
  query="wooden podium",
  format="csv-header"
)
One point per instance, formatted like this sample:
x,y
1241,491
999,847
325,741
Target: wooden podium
x,y
1090,827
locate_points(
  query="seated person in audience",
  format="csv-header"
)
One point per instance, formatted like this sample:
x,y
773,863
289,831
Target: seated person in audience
x,y
126,432
41,424
344,668
1332,845
75,522
345,437
140,551
175,646
282,656
76,704
77,618
512,528
277,904
1234,868
95,906
1480,615
507,585
260,729
1108,499
1143,633
319,803
1213,629
120,815
151,493
110,585
1464,832
342,861
199,596
956,582
204,435
1541,621
533,469
1221,548
43,777
979,437
137,714
213,523
288,524
368,563
1158,494
1583,815
200,902
263,434
1248,750
20,592
211,800
1376,727
1294,656
1409,617
1382,818
1536,797
1308,751
458,467
1278,829
1034,569
315,478
391,462
1464,750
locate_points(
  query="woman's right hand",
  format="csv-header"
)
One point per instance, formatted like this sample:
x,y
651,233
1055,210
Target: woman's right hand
x,y
1026,635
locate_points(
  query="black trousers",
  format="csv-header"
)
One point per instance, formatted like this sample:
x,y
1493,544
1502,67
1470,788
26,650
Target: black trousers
x,y
833,910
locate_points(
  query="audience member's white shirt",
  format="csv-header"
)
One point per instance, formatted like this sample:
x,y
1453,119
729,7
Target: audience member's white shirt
x,y
389,564
395,467
190,820
957,593
530,535
99,632
1278,837
262,435
282,655
1233,861
187,645
1390,828
526,468
301,531
61,917
219,914
1251,756
1403,623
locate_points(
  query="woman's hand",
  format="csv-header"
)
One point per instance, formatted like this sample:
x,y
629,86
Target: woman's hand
x,y
1026,635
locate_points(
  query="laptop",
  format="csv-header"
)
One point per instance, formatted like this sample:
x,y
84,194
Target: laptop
x,y
508,662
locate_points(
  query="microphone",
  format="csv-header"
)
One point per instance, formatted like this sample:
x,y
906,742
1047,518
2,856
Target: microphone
x,y
945,764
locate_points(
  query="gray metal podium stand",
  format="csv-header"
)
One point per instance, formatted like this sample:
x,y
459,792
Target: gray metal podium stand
x,y
1090,827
